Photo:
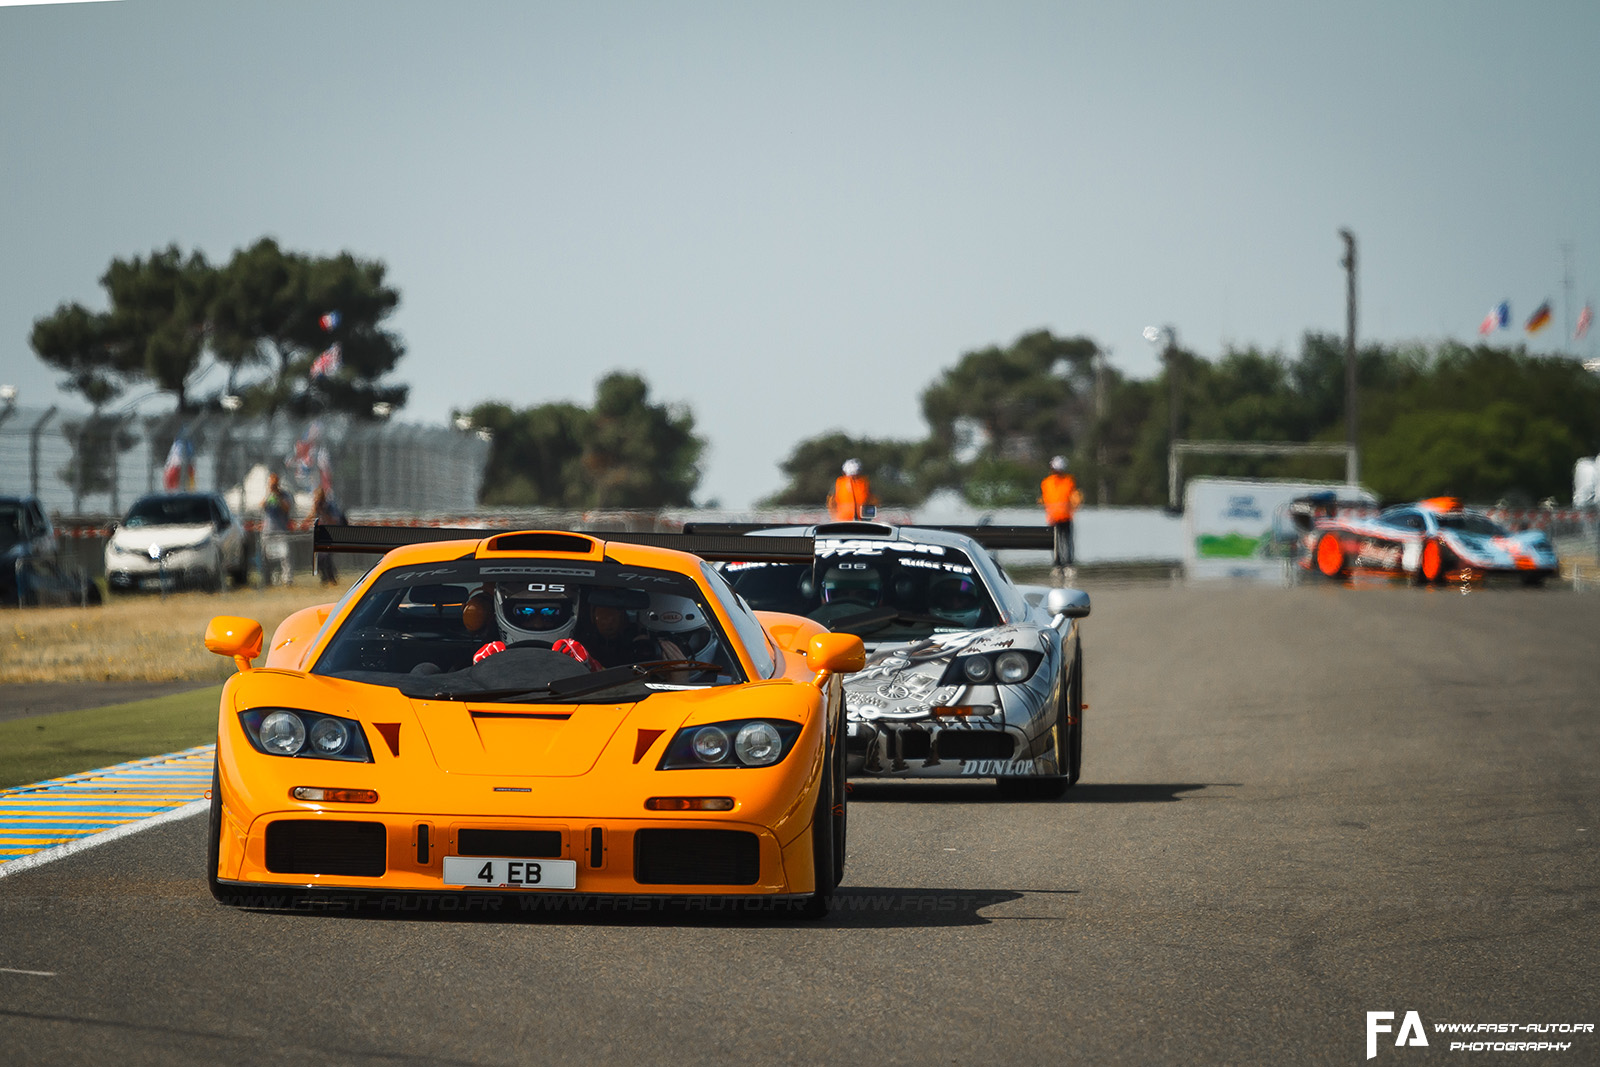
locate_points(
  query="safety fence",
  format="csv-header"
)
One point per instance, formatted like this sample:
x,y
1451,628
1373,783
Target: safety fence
x,y
89,467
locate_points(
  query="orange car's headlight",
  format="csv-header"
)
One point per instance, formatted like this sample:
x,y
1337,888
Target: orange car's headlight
x,y
741,743
305,734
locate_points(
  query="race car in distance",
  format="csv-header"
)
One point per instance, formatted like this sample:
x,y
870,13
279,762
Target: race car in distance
x,y
967,674
1434,540
535,711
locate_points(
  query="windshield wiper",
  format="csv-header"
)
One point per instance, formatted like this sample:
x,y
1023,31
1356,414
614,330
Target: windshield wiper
x,y
630,672
878,617
579,684
489,694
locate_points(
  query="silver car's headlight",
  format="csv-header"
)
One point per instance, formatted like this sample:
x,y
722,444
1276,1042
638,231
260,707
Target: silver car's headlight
x,y
1012,667
1005,668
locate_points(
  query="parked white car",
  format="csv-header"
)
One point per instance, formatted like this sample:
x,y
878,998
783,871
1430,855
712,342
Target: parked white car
x,y
176,539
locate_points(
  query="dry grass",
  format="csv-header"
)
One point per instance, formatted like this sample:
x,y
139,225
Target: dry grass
x,y
137,638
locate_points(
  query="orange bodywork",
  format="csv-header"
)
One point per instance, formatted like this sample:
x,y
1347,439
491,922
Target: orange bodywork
x,y
583,770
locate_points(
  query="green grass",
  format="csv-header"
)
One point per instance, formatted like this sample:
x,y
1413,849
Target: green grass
x,y
49,746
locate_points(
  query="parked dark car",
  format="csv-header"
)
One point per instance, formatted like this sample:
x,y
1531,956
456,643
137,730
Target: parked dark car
x,y
31,568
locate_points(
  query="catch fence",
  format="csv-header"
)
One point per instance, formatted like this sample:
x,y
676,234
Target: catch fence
x,y
88,468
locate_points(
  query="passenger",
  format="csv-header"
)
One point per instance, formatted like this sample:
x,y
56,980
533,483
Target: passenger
x,y
680,629
956,600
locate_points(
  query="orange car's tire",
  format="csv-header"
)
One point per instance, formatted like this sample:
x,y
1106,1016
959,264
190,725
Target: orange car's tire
x,y
1328,557
1435,563
841,810
221,893
815,905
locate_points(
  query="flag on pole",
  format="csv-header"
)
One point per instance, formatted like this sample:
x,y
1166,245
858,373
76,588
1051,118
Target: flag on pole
x,y
178,473
329,321
1585,317
326,364
1540,318
1497,318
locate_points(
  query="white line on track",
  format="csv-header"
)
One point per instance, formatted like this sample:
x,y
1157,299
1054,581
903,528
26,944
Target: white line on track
x,y
72,848
36,974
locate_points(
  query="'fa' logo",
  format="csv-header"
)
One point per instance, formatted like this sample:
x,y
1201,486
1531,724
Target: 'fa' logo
x,y
1411,1032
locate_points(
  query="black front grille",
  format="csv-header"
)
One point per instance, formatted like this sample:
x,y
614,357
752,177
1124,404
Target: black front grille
x,y
696,857
538,844
326,846
975,744
914,744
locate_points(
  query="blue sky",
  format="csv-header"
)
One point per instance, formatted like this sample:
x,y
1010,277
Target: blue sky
x,y
792,217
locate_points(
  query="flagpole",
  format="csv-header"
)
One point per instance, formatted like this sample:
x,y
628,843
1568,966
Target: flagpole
x,y
1566,297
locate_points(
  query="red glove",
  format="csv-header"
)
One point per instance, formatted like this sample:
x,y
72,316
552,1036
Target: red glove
x,y
488,650
569,646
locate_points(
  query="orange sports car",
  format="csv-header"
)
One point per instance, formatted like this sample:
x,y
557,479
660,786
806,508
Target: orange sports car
x,y
541,712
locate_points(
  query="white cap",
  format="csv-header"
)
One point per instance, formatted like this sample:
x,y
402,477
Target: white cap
x,y
1058,463
852,467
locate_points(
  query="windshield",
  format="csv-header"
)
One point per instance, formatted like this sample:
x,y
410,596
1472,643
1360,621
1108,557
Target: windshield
x,y
531,630
1472,523
880,590
169,511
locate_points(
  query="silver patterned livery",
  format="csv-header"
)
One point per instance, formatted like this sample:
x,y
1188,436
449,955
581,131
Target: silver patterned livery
x,y
968,675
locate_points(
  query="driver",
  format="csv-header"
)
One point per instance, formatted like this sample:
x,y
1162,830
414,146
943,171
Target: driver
x,y
852,583
956,600
536,613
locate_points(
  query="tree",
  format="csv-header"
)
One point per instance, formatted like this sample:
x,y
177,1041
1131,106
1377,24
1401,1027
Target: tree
x,y
1012,408
270,309
262,314
625,452
1504,451
77,341
890,466
157,322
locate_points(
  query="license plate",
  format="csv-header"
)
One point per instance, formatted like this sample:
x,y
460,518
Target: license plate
x,y
488,872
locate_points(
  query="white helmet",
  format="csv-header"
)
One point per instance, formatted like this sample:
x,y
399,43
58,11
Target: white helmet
x,y
1059,464
535,612
852,467
681,621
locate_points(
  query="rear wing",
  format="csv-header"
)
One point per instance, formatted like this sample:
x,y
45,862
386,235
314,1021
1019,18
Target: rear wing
x,y
713,546
990,537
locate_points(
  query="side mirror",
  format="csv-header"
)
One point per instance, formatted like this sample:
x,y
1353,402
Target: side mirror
x,y
830,654
1073,603
230,635
868,511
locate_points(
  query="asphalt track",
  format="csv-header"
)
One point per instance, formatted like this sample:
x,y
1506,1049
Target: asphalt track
x,y
1299,806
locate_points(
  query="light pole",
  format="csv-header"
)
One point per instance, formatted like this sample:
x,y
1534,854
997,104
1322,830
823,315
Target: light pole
x,y
1168,337
1352,466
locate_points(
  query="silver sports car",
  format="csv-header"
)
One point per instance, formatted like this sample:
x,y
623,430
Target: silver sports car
x,y
967,675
